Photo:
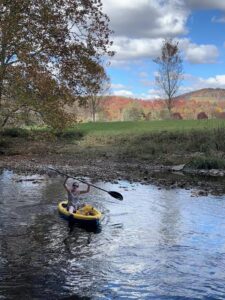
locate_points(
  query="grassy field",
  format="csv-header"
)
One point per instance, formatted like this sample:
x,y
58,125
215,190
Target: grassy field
x,y
123,128
140,127
159,142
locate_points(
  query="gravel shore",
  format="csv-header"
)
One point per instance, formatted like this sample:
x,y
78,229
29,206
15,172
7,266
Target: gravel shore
x,y
108,170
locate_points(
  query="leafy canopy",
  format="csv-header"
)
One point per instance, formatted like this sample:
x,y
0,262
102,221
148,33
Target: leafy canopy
x,y
49,52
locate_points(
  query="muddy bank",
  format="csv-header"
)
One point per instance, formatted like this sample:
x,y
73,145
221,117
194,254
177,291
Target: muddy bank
x,y
109,170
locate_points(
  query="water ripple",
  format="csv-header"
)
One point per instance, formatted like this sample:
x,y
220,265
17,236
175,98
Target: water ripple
x,y
156,244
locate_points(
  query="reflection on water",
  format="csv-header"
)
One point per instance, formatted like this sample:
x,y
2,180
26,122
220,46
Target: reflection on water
x,y
156,244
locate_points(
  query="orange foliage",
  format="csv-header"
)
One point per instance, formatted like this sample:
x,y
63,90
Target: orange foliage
x,y
187,107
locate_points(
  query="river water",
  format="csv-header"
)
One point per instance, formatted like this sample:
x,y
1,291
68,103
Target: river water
x,y
156,244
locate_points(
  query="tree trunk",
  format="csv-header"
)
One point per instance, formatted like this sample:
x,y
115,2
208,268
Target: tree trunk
x,y
170,106
93,114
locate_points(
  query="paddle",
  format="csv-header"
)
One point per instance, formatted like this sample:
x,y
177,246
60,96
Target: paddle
x,y
111,193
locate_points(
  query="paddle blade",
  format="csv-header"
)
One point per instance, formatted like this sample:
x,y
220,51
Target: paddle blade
x,y
116,195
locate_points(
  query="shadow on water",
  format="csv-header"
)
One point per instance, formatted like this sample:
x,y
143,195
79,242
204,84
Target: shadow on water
x,y
156,244
92,229
74,230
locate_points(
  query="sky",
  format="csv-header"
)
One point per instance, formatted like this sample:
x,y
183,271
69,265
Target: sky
x,y
139,28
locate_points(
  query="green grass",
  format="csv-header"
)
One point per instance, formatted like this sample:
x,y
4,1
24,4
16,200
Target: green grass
x,y
131,127
207,163
140,127
170,142
163,142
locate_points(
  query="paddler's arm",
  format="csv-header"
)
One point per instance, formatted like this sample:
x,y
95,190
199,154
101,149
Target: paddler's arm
x,y
87,191
65,185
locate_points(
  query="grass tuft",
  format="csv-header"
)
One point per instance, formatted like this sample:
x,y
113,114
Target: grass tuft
x,y
206,163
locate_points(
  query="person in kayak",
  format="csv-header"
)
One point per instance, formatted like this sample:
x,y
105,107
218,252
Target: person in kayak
x,y
73,195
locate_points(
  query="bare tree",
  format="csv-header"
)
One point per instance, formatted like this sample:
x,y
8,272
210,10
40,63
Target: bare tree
x,y
170,70
101,87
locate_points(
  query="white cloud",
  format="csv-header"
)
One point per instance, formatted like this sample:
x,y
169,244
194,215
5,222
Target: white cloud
x,y
215,82
130,49
117,86
185,89
193,83
136,49
145,18
151,94
125,93
201,54
154,18
141,25
218,20
196,83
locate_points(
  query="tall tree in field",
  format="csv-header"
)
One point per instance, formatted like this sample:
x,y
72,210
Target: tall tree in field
x,y
98,92
170,70
49,50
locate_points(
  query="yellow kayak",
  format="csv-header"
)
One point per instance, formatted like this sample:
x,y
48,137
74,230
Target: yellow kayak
x,y
85,215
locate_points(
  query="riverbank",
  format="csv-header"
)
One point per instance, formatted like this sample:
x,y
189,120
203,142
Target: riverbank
x,y
108,171
111,153
105,169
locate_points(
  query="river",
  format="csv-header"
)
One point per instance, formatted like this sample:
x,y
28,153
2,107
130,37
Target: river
x,y
155,244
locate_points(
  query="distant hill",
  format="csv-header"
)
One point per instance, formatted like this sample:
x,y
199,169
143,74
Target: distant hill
x,y
209,94
188,106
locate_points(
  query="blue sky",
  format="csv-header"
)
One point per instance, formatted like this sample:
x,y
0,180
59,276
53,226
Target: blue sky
x,y
139,29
